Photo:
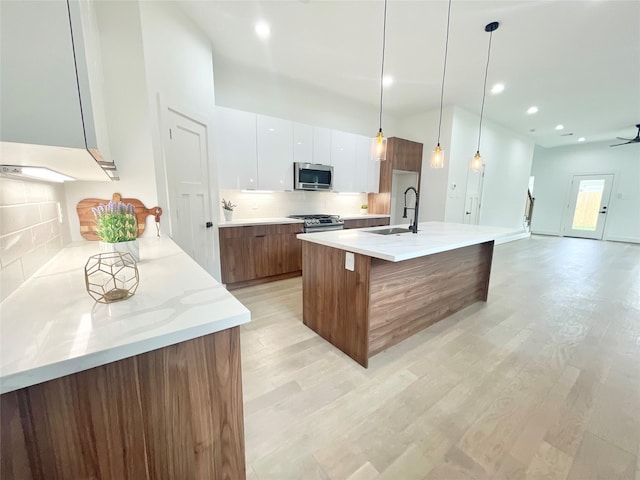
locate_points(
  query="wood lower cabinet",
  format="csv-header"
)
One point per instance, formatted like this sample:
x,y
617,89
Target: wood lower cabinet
x,y
172,413
259,253
366,222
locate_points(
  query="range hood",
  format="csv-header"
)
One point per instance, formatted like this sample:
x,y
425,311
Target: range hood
x,y
51,102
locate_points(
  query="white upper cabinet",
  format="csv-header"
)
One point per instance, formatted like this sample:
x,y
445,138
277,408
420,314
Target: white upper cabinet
x,y
275,153
236,153
39,95
322,145
362,163
42,102
343,152
302,143
256,152
373,172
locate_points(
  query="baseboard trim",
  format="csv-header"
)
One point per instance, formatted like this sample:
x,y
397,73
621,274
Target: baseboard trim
x,y
623,239
511,238
258,281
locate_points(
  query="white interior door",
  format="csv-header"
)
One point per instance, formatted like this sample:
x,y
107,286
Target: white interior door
x,y
188,187
588,203
473,197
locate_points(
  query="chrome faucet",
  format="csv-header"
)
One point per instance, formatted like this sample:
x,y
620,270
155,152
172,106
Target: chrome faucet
x,y
412,226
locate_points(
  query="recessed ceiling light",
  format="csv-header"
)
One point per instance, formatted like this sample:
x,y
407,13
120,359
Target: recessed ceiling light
x,y
532,110
387,80
263,30
559,127
581,139
497,88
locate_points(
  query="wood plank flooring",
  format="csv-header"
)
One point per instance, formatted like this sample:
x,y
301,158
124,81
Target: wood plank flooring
x,y
541,382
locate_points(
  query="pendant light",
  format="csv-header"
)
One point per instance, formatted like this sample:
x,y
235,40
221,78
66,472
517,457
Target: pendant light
x,y
476,162
437,157
380,144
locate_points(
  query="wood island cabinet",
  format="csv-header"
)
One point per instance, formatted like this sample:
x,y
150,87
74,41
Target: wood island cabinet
x,y
259,253
366,222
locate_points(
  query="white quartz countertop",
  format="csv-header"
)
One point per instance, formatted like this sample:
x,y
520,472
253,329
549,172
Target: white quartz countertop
x,y
51,327
432,237
365,215
259,221
245,222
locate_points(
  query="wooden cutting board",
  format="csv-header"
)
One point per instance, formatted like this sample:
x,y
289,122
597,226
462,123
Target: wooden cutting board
x,y
88,222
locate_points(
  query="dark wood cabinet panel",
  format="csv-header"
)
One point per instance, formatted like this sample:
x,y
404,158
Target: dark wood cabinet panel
x,y
258,253
366,222
401,155
172,413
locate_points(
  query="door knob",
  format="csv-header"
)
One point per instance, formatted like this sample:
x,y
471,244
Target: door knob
x,y
208,224
467,213
603,211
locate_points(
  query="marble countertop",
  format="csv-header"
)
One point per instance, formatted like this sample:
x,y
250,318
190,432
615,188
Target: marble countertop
x,y
51,327
432,237
245,222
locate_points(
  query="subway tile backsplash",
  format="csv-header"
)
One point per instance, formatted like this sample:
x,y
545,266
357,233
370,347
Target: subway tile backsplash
x,y
30,232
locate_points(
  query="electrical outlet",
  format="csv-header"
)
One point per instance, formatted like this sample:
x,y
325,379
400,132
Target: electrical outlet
x,y
254,205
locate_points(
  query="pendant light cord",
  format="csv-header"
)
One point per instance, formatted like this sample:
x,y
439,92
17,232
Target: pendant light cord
x,y
444,70
384,41
484,90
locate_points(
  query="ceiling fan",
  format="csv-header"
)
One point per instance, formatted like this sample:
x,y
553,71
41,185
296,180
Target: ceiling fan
x,y
629,140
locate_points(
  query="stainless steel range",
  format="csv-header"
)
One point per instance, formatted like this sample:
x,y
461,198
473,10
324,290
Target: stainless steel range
x,y
320,223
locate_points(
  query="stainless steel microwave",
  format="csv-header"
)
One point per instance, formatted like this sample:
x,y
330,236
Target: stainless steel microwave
x,y
312,176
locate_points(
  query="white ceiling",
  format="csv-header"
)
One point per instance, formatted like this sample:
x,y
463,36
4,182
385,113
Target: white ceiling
x,y
577,61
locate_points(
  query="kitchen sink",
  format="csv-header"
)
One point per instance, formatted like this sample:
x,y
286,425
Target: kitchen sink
x,y
390,231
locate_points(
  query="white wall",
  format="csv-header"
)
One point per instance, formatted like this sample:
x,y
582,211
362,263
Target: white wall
x,y
258,91
127,114
423,128
507,157
179,68
553,170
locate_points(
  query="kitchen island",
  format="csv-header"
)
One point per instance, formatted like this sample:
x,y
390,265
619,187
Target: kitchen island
x,y
364,292
150,387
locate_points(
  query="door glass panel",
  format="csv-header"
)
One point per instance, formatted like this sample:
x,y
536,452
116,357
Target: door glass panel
x,y
588,205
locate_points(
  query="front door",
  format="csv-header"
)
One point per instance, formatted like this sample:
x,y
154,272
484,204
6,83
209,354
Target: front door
x,y
588,203
188,188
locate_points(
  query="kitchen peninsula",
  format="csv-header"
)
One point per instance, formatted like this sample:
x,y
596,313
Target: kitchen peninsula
x,y
364,292
150,387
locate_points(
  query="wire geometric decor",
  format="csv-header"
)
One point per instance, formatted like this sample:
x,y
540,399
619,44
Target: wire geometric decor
x,y
111,277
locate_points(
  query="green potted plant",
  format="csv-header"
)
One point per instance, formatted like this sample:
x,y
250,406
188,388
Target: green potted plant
x,y
227,209
364,208
117,227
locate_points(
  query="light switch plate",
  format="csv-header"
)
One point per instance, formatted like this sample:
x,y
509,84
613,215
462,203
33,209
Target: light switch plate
x,y
349,261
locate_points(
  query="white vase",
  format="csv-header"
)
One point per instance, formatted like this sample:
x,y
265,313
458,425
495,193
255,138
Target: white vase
x,y
364,211
131,247
228,215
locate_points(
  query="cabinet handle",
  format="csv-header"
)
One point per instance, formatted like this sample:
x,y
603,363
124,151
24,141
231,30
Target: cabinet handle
x,y
260,236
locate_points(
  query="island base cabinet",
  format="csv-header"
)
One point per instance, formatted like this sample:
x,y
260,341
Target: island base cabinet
x,y
172,413
378,303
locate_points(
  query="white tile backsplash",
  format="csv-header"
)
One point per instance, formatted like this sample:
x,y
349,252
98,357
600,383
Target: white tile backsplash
x,y
282,204
11,277
30,233
12,191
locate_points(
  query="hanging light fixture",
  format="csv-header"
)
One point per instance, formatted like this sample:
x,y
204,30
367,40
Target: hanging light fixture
x,y
476,162
437,157
380,144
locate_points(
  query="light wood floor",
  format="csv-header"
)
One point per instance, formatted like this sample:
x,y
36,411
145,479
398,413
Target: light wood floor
x,y
542,381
